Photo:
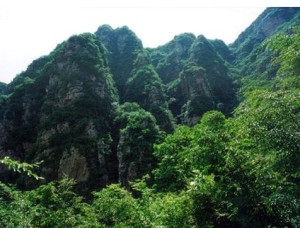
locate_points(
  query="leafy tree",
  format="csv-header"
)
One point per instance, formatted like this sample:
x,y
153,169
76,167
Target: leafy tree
x,y
145,88
286,46
17,166
115,207
50,205
138,133
173,168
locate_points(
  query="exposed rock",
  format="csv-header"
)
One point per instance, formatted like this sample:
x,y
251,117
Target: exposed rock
x,y
133,73
268,23
68,112
63,108
169,58
193,91
73,165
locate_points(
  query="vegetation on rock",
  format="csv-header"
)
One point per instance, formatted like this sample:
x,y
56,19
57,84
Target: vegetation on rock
x,y
98,110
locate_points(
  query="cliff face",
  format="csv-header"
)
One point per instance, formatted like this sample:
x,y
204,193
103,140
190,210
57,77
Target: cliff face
x,y
138,133
2,88
196,75
62,110
93,108
135,76
123,48
252,58
267,24
170,58
64,114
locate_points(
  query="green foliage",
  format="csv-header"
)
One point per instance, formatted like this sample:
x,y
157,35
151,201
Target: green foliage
x,y
236,172
187,150
171,210
138,133
115,207
287,48
51,205
2,89
173,167
267,144
138,125
21,167
236,167
272,120
145,88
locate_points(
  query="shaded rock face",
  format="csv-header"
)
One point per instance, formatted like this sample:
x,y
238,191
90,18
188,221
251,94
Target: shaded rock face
x,y
64,109
169,60
196,76
73,165
138,133
133,162
264,26
123,48
2,88
79,92
135,76
253,58
197,94
69,115
222,90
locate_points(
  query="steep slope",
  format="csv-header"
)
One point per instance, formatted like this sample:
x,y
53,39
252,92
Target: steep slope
x,y
123,48
63,114
134,74
138,133
91,108
196,75
170,58
2,88
269,22
253,59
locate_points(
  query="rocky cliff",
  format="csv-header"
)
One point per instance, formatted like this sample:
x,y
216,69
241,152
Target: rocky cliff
x,y
63,114
94,107
135,76
252,58
196,75
268,23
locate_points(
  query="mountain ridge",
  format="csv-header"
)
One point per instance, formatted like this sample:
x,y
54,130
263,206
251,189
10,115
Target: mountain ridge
x,y
68,108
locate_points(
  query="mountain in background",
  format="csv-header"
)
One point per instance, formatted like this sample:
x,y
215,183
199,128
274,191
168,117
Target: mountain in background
x,y
94,107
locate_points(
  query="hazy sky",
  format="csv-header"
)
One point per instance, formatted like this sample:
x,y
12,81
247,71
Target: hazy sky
x,y
32,28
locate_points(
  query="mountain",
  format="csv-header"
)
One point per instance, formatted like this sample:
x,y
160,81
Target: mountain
x,y
268,23
62,111
196,75
93,108
135,77
193,133
252,57
2,88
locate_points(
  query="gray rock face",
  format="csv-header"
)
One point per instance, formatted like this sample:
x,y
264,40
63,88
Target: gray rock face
x,y
73,165
197,93
69,109
135,77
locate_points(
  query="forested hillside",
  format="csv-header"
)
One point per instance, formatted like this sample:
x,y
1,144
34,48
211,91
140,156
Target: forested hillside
x,y
194,133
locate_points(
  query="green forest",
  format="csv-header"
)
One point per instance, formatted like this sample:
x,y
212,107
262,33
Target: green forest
x,y
194,133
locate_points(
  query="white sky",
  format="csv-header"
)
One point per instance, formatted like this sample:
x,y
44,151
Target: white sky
x,y
32,28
